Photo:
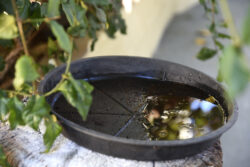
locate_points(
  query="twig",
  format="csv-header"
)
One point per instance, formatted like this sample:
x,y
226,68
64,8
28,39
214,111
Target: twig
x,y
68,63
55,89
17,93
20,27
213,22
10,60
229,20
40,20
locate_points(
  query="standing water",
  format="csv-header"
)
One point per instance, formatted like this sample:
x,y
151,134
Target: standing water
x,y
144,108
181,117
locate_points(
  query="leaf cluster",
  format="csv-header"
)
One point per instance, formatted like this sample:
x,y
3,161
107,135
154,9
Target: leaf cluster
x,y
84,18
233,67
13,110
67,19
211,10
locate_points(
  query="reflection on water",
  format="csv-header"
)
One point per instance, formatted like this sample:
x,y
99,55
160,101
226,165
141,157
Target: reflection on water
x,y
173,118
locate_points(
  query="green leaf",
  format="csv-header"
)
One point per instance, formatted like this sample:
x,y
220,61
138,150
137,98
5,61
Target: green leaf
x,y
93,27
15,108
212,27
2,63
222,35
3,94
25,71
53,8
70,12
3,108
53,129
35,10
206,53
77,31
3,159
35,110
219,77
26,88
98,2
233,70
219,44
23,8
52,47
122,26
246,29
116,23
78,94
223,24
44,9
92,46
100,14
203,3
6,6
8,28
35,14
76,17
61,36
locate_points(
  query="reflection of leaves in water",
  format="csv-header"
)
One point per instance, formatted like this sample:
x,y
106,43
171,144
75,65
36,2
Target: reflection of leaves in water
x,y
172,118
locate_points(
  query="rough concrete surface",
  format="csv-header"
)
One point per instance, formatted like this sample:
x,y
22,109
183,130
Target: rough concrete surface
x,y
24,147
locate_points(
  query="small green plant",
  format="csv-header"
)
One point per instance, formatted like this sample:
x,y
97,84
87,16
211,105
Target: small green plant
x,y
233,66
20,21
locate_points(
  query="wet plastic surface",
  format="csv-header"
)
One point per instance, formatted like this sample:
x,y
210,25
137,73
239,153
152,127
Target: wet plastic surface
x,y
112,119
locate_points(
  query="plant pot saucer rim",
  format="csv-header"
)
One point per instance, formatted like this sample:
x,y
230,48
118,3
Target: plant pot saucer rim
x,y
104,136
207,137
130,61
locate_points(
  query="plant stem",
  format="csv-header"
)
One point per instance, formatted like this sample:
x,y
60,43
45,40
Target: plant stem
x,y
17,93
68,63
213,22
55,89
40,20
229,20
20,27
